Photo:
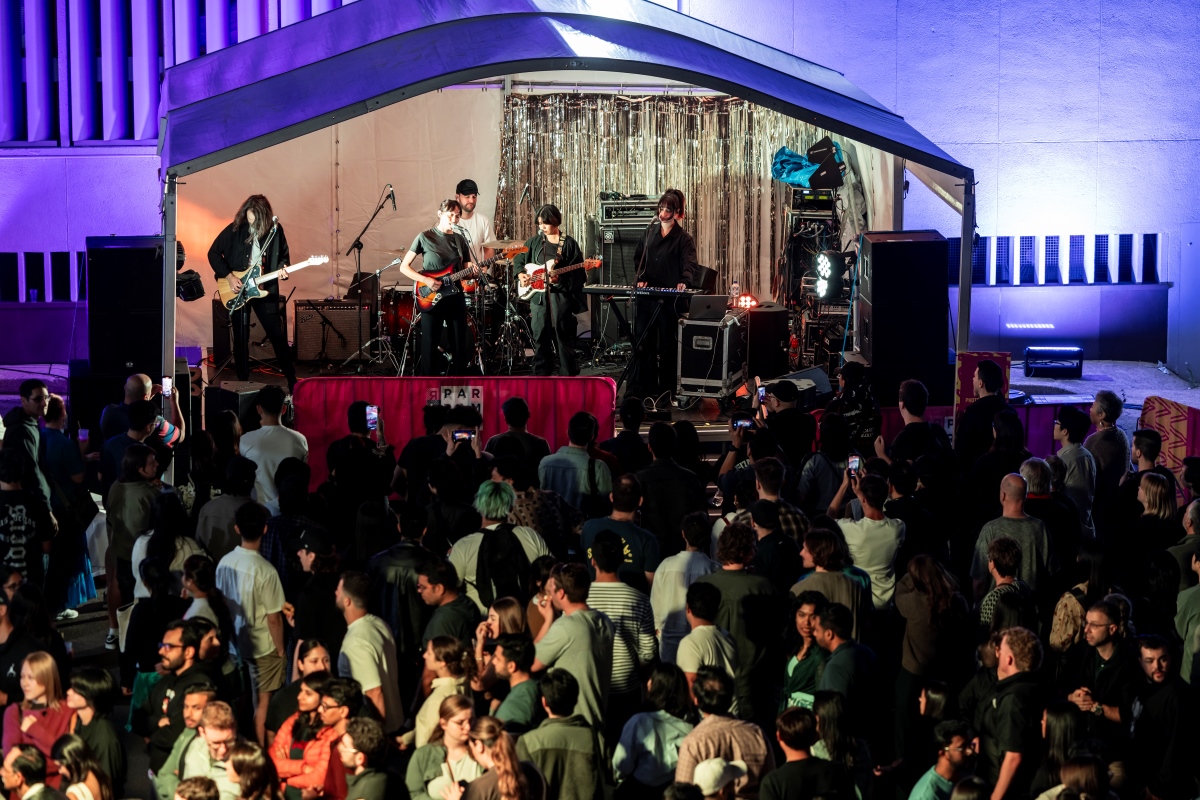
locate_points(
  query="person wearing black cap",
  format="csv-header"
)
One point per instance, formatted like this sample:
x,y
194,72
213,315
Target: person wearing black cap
x,y
665,258
553,311
856,402
794,430
476,224
778,556
315,614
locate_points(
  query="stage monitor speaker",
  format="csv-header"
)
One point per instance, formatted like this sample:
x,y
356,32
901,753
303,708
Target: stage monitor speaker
x,y
815,389
901,328
767,341
337,340
125,305
240,397
260,346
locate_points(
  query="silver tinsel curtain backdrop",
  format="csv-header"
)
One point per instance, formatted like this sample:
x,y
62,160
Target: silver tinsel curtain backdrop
x,y
571,147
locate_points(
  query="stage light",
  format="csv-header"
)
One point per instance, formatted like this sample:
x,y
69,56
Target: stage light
x,y
1025,326
745,301
828,269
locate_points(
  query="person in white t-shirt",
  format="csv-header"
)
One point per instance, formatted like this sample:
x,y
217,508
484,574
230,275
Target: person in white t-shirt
x,y
255,598
271,444
874,539
478,227
707,645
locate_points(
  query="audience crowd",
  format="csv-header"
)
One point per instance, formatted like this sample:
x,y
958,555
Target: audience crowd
x,y
814,613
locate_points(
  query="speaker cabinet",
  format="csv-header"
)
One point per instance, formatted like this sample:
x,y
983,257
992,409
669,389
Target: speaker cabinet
x,y
88,394
712,354
616,247
125,305
901,326
767,340
340,337
240,397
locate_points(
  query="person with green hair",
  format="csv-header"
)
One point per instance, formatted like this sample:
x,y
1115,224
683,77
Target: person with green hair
x,y
494,561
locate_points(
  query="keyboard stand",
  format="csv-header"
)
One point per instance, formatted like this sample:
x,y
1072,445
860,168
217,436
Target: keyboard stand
x,y
640,337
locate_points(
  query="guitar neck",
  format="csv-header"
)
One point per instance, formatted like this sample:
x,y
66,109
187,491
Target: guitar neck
x,y
285,270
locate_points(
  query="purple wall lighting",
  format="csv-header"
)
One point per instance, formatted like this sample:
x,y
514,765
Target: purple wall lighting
x,y
216,25
114,70
187,30
39,105
251,19
83,72
11,116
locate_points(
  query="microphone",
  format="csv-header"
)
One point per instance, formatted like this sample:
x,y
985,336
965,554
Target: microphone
x,y
524,194
392,193
274,222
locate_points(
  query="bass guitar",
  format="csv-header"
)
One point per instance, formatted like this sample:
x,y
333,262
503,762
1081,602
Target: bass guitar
x,y
253,278
538,273
428,297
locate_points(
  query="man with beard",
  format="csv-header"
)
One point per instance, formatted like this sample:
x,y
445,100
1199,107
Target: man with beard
x,y
1160,712
179,654
478,227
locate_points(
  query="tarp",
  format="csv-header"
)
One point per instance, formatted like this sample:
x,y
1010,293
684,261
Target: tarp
x,y
371,53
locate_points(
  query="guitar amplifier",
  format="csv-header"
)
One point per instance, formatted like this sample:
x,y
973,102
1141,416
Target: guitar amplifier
x,y
335,337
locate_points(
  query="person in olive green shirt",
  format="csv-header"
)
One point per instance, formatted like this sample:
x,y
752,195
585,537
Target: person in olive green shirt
x,y
512,661
565,747
194,702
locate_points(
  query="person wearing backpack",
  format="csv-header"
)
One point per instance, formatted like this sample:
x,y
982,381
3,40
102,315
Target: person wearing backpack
x,y
494,561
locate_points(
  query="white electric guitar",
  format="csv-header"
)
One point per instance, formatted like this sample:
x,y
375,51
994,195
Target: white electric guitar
x,y
251,279
538,273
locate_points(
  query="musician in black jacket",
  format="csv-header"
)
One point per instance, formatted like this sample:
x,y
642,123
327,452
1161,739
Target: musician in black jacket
x,y
665,258
442,250
553,310
253,238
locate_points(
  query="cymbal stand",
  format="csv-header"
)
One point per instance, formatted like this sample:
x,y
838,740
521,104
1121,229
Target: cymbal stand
x,y
514,332
385,354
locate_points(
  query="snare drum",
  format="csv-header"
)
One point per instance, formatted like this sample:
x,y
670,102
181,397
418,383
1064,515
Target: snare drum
x,y
397,311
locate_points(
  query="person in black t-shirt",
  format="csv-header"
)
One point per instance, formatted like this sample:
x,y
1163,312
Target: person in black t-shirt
x,y
919,438
802,775
24,519
442,250
553,310
665,258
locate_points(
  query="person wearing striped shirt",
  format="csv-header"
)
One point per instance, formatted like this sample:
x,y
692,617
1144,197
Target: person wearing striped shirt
x,y
635,646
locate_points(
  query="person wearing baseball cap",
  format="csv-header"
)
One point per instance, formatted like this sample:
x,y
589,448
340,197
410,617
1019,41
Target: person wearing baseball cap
x,y
715,777
794,429
477,228
856,402
315,614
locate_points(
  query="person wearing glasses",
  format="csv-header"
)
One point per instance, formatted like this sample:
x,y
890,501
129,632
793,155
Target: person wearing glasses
x,y
664,258
218,729
955,760
363,749
179,656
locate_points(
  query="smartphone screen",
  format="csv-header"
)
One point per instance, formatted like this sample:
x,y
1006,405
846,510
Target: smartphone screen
x,y
762,394
167,385
372,418
855,463
743,424
464,435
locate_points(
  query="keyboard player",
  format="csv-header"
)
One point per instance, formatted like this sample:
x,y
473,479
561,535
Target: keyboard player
x,y
665,257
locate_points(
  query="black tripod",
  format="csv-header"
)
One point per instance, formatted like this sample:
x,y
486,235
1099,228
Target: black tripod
x,y
356,250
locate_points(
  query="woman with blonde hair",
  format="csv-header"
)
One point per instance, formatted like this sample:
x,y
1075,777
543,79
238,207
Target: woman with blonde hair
x,y
42,716
506,778
1156,528
453,667
447,759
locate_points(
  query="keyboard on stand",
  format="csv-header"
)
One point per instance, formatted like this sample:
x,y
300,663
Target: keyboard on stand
x,y
630,291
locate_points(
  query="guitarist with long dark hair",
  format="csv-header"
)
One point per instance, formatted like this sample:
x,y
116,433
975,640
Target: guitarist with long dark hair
x,y
441,250
553,310
254,238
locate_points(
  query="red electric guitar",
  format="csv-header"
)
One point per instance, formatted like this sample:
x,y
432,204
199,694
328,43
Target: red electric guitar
x,y
428,297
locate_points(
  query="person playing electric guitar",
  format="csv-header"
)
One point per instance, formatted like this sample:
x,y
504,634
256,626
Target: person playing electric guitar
x,y
554,310
442,250
253,238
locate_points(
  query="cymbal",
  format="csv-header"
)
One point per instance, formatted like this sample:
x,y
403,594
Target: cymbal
x,y
397,252
502,244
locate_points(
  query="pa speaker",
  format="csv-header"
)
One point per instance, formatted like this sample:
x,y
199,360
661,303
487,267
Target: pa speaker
x,y
240,397
125,305
88,394
767,340
902,327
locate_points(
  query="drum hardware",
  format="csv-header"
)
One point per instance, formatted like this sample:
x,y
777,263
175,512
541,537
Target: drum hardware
x,y
383,342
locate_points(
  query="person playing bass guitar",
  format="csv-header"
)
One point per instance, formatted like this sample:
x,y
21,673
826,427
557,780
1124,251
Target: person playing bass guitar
x,y
553,310
442,250
254,238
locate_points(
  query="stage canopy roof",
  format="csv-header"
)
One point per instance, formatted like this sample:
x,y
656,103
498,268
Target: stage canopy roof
x,y
371,53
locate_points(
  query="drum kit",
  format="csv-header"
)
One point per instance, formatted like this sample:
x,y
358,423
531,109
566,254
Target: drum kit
x,y
499,337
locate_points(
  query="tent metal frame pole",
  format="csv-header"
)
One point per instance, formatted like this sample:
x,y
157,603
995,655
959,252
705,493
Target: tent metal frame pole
x,y
170,244
965,251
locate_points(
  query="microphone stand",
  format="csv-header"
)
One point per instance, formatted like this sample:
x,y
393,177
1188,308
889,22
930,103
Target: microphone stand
x,y
355,249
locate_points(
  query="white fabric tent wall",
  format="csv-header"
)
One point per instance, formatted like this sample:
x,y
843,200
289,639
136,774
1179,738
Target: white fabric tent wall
x,y
324,186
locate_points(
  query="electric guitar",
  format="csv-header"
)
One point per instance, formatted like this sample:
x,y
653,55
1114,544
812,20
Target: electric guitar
x,y
539,272
253,277
427,297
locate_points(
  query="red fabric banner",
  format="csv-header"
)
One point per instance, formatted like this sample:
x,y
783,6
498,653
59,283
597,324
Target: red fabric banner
x,y
321,404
